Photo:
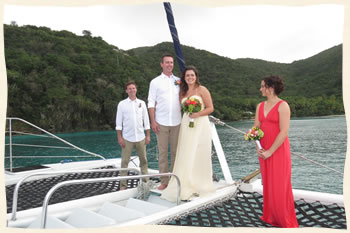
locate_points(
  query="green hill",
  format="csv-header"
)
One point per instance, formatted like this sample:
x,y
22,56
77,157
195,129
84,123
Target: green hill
x,y
313,85
64,82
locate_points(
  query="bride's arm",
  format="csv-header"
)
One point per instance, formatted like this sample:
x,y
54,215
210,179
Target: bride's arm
x,y
208,103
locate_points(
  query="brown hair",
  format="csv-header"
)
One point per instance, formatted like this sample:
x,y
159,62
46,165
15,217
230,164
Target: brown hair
x,y
183,85
130,83
166,55
274,82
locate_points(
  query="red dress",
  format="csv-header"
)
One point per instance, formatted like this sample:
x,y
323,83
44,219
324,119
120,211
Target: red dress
x,y
278,206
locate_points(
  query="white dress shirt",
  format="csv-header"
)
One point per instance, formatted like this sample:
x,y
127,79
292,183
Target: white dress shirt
x,y
165,93
132,119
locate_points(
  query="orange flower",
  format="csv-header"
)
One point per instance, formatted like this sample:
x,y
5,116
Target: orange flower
x,y
191,105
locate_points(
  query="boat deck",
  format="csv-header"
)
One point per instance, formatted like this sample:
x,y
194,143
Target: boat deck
x,y
39,188
242,211
245,211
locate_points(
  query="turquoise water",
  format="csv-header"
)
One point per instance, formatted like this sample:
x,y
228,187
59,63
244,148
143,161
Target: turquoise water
x,y
322,139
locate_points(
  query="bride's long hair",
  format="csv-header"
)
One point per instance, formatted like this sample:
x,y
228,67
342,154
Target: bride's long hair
x,y
183,85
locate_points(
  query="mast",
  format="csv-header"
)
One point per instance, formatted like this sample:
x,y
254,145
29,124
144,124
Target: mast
x,y
177,46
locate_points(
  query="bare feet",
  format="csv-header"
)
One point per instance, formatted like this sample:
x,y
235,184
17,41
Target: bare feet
x,y
122,188
162,186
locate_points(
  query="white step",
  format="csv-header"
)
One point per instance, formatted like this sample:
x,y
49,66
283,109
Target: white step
x,y
84,218
157,200
144,207
119,213
51,222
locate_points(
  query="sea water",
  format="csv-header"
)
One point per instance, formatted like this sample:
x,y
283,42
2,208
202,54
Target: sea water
x,y
320,139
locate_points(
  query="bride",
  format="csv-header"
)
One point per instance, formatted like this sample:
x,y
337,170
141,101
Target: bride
x,y
193,156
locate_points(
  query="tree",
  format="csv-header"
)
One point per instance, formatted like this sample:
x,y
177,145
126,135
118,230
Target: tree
x,y
65,82
87,33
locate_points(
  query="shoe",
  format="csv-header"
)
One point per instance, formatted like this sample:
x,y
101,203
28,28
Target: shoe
x,y
162,186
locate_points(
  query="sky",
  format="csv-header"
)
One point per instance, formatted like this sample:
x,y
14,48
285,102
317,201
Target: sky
x,y
269,32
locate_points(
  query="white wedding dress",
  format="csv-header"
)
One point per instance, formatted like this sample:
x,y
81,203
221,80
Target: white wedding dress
x,y
193,159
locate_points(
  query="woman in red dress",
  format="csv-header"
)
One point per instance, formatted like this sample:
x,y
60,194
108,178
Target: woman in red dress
x,y
273,117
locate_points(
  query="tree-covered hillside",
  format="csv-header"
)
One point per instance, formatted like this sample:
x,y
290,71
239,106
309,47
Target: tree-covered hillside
x,y
64,82
313,85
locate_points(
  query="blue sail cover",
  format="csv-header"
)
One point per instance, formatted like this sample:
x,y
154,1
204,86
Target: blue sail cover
x,y
177,46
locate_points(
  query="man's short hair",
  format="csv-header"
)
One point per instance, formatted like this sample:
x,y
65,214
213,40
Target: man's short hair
x,y
130,83
166,55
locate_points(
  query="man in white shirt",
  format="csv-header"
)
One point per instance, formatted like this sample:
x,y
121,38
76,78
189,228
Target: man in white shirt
x,y
131,122
165,114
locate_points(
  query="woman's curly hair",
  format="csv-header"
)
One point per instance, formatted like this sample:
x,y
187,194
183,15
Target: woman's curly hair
x,y
275,82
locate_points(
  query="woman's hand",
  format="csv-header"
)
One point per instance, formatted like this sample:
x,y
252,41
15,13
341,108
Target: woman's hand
x,y
264,154
195,115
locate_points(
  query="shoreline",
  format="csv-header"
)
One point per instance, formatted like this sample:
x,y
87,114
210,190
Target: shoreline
x,y
295,117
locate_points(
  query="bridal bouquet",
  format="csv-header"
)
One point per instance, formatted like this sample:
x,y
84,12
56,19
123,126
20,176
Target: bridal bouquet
x,y
255,134
191,105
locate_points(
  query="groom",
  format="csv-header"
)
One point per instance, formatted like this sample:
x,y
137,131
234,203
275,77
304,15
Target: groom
x,y
165,114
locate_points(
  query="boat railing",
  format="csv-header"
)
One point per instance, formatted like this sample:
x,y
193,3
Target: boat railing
x,y
217,121
21,181
11,144
95,180
219,150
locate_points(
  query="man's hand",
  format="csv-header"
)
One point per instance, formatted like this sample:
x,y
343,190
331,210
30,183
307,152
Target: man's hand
x,y
121,142
155,127
148,139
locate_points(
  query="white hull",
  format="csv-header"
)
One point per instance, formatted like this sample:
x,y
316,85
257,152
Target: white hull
x,y
307,196
62,211
117,209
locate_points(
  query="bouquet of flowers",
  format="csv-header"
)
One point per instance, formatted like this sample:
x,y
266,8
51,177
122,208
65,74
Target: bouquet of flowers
x,y
191,105
255,134
177,82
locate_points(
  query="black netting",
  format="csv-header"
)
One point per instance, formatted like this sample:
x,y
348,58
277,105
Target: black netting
x,y
39,188
245,211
